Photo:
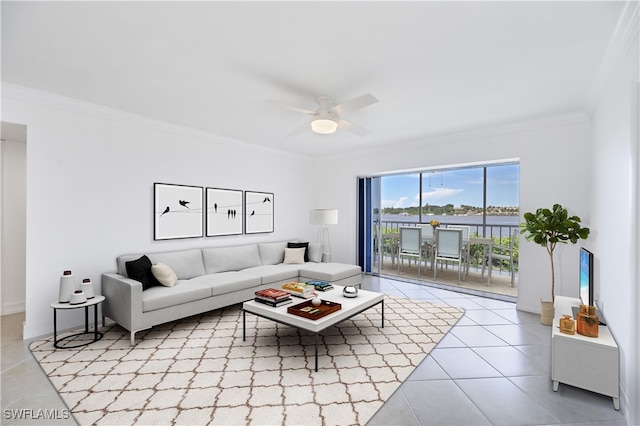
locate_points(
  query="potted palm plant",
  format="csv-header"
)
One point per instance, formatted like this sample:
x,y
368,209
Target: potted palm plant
x,y
549,228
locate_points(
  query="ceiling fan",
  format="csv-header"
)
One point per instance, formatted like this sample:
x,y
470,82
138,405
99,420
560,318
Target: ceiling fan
x,y
328,117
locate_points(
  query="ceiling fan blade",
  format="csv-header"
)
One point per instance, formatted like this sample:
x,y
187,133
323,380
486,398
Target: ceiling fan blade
x,y
344,124
294,108
301,129
353,104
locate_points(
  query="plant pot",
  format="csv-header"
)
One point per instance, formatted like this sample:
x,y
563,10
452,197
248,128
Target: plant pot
x,y
546,313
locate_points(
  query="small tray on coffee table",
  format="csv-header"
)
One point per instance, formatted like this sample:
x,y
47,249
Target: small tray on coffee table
x,y
307,310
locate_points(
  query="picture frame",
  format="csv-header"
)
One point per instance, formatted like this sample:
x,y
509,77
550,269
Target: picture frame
x,y
177,211
258,207
225,212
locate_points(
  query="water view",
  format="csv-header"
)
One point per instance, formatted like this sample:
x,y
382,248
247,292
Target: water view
x,y
497,226
458,220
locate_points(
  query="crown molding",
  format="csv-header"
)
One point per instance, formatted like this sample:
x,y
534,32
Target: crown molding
x,y
532,124
63,103
624,35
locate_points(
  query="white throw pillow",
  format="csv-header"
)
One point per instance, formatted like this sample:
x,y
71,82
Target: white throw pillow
x,y
164,274
294,255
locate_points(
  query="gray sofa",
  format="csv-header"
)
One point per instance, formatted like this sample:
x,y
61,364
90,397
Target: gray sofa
x,y
211,278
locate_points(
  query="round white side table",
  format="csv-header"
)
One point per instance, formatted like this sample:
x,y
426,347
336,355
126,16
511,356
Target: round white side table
x,y
94,301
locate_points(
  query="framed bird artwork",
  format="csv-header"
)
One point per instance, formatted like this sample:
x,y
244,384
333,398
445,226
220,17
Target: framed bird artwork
x,y
177,211
258,212
224,212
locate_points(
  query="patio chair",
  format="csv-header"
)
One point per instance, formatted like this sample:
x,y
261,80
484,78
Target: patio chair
x,y
410,245
448,249
505,253
466,231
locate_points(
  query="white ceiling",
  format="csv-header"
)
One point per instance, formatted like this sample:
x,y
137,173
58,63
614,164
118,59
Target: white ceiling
x,y
435,67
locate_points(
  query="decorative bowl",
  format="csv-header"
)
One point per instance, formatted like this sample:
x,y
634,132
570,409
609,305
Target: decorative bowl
x,y
350,291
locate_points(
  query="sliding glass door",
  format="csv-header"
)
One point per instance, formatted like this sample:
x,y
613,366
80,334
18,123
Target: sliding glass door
x,y
481,198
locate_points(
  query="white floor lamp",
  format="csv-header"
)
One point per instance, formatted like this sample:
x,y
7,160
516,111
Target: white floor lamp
x,y
324,217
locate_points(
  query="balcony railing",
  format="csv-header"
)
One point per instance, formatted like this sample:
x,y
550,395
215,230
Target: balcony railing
x,y
500,232
490,230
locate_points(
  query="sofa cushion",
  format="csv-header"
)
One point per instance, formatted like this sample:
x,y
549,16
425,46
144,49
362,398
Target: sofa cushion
x,y
164,274
140,270
328,271
272,253
184,291
234,258
274,273
300,245
314,252
227,282
185,263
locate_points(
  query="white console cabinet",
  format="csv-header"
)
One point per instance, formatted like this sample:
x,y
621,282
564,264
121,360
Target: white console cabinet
x,y
585,362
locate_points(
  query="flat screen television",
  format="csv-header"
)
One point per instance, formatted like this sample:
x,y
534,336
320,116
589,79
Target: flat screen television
x,y
586,277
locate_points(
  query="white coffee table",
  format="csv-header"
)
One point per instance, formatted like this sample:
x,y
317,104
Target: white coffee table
x,y
350,307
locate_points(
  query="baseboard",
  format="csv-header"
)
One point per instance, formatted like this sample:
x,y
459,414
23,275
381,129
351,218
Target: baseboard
x,y
13,307
627,405
528,307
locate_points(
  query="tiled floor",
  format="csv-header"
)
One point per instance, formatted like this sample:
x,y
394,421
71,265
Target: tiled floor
x,y
500,283
25,388
492,368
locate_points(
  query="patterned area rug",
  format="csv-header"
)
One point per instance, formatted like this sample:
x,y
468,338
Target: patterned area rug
x,y
199,371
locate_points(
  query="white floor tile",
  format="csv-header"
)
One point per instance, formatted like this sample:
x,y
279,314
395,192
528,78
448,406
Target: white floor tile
x,y
473,336
442,403
463,363
486,317
502,402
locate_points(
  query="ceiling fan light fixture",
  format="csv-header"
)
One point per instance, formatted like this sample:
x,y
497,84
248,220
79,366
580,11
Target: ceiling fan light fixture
x,y
324,126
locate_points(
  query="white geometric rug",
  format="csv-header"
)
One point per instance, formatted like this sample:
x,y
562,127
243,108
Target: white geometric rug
x,y
198,371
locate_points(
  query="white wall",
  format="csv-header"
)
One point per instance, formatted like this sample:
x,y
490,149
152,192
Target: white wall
x,y
615,219
13,226
90,175
551,152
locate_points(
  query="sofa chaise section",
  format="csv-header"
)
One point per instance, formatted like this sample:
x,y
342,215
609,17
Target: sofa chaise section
x,y
335,273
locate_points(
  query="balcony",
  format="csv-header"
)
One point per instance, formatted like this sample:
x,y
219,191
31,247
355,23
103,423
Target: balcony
x,y
447,276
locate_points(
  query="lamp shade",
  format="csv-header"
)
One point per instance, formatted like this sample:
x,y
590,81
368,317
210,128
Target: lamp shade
x,y
324,217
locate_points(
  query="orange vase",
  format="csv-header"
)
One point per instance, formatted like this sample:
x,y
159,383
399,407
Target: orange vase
x,y
588,321
567,325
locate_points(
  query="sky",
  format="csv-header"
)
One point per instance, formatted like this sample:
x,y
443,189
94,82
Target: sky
x,y
457,187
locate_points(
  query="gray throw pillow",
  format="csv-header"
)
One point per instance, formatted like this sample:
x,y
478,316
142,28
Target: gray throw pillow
x,y
314,252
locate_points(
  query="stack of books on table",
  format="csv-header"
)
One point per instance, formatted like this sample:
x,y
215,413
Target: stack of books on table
x,y
273,297
320,285
299,289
